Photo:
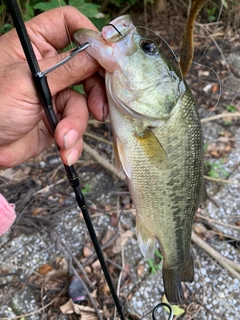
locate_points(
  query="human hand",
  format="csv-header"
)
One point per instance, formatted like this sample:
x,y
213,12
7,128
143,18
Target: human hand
x,y
23,127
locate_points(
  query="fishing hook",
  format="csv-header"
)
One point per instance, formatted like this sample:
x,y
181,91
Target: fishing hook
x,y
160,305
112,25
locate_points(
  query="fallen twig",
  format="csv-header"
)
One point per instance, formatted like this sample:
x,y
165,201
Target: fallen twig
x,y
231,266
61,246
47,188
222,180
217,222
90,135
36,311
91,258
94,154
219,116
9,265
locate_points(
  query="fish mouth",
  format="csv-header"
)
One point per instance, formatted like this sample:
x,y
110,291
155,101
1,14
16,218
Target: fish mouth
x,y
116,30
115,41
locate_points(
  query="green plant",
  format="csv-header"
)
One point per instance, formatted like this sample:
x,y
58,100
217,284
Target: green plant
x,y
90,10
216,170
155,266
119,3
212,14
87,188
230,108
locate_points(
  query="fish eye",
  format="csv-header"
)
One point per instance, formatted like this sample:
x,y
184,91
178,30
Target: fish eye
x,y
149,47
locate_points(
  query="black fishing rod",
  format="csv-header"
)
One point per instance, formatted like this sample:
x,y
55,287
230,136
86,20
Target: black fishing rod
x,y
43,91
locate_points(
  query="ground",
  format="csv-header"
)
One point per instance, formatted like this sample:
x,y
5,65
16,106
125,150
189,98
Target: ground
x,y
49,242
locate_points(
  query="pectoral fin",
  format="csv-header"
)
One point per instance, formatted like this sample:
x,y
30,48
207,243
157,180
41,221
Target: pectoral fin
x,y
123,158
153,149
118,164
146,239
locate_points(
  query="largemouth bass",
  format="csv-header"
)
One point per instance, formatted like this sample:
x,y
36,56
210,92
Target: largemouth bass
x,y
158,143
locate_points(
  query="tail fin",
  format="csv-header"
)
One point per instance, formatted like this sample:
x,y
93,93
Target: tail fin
x,y
172,278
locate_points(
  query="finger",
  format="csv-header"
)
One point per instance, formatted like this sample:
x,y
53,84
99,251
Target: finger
x,y
74,118
94,87
25,148
56,25
71,155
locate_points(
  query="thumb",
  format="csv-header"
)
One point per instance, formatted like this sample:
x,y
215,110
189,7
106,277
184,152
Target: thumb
x,y
79,68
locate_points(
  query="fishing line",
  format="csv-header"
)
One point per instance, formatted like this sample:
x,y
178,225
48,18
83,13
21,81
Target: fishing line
x,y
195,63
112,25
169,47
220,86
202,26
155,309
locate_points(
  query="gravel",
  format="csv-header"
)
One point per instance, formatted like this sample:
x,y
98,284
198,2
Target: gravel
x,y
216,294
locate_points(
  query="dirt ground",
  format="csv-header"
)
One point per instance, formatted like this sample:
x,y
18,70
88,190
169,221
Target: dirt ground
x,y
49,242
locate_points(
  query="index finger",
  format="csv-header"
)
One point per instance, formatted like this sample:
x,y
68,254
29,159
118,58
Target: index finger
x,y
57,25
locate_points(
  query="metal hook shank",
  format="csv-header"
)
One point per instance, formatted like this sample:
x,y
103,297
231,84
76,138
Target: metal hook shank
x,y
72,54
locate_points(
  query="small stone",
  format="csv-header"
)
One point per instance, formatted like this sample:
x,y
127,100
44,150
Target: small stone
x,y
221,295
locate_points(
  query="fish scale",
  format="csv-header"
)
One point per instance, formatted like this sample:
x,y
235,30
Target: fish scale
x,y
157,141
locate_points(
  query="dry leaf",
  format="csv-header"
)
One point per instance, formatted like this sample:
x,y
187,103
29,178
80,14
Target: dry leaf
x,y
108,235
88,269
62,263
96,264
16,175
44,269
87,313
114,220
87,250
37,211
121,241
105,290
140,270
107,208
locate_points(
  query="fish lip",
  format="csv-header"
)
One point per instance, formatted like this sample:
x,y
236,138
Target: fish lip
x,y
81,33
123,23
115,31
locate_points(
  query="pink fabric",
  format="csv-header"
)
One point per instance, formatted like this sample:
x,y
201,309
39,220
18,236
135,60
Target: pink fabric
x,y
7,215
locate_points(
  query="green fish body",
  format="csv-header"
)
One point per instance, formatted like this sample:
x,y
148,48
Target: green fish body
x,y
158,143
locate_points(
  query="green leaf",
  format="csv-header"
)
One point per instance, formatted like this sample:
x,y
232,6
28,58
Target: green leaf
x,y
177,311
230,108
90,10
87,188
5,28
29,14
44,6
2,8
101,22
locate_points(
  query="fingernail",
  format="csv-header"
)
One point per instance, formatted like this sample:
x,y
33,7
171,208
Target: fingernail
x,y
70,138
72,157
105,111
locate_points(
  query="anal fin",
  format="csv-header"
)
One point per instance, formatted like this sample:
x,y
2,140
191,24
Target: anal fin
x,y
146,240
